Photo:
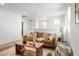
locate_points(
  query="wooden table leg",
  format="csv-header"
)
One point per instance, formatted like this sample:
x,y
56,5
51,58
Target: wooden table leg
x,y
39,51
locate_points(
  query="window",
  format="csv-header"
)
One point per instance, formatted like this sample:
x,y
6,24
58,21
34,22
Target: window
x,y
41,24
57,21
37,24
44,24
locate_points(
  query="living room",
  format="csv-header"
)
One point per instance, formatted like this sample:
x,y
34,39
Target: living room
x,y
42,26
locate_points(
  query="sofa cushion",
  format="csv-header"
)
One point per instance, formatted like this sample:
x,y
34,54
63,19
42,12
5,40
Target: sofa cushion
x,y
40,34
45,36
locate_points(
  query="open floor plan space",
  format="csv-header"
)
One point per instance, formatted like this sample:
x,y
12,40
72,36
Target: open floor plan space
x,y
39,29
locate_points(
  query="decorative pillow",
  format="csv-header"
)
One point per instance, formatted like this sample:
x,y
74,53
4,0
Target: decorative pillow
x,y
40,34
45,36
50,37
39,39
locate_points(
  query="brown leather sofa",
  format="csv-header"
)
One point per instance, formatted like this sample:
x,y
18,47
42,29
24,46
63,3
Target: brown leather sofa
x,y
46,39
48,42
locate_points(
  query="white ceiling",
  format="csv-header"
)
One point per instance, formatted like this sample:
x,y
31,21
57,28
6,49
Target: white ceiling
x,y
37,9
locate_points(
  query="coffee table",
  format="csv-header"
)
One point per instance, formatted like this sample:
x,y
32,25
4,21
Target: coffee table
x,y
37,46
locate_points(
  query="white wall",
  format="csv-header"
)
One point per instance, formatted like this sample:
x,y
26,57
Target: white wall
x,y
29,24
10,26
54,28
74,32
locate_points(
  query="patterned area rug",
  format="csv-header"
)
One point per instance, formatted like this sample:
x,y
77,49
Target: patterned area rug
x,y
8,52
